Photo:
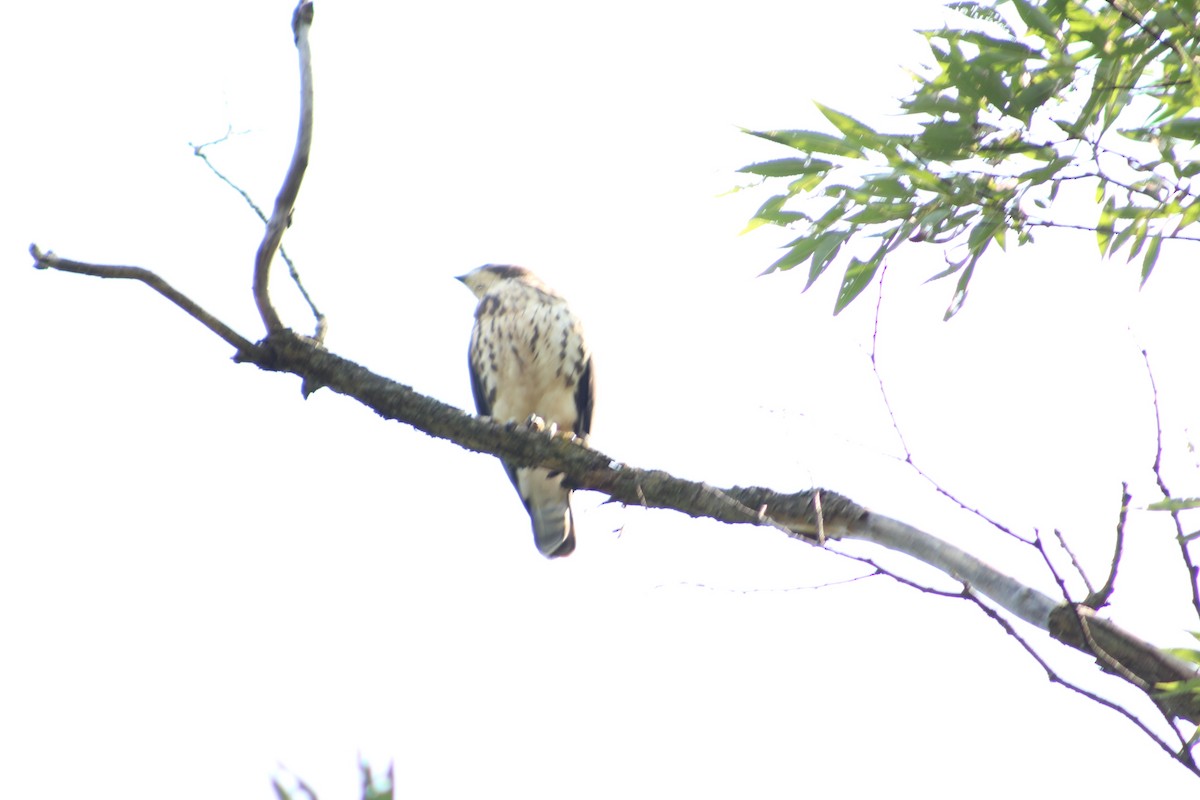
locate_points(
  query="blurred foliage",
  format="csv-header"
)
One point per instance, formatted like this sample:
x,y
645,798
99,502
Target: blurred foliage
x,y
1025,98
373,787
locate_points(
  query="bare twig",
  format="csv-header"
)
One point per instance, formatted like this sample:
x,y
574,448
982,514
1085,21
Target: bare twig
x,y
1099,599
1062,542
286,200
771,590
908,456
198,151
49,260
898,578
1084,628
1046,223
1180,536
1182,755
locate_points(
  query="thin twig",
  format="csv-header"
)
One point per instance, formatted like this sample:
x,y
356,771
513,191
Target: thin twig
x,y
1062,542
1182,755
1099,599
920,587
1046,223
908,456
1084,629
49,260
771,590
1181,537
198,151
286,200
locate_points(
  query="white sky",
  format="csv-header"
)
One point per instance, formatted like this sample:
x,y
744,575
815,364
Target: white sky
x,y
203,577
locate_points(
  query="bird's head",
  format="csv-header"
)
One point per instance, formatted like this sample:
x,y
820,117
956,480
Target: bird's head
x,y
486,278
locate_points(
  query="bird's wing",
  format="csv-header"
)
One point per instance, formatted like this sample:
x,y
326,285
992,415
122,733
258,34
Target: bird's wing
x,y
585,397
484,409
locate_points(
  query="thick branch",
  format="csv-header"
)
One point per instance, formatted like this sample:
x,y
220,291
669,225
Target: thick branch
x,y
1079,627
587,468
1027,603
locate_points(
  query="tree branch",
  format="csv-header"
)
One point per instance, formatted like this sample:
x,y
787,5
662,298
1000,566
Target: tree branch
x,y
48,260
198,151
1099,598
1046,223
281,217
1183,756
1184,553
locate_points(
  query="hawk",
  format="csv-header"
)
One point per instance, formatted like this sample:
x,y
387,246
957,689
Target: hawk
x,y
528,357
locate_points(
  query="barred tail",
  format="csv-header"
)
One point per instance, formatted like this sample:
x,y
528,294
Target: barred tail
x,y
554,529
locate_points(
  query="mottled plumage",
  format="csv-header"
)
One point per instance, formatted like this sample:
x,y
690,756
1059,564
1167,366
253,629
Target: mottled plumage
x,y
528,357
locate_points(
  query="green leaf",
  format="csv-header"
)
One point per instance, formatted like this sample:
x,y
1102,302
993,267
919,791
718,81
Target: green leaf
x,y
1177,688
851,128
888,186
1190,214
985,13
993,49
1187,128
811,142
924,179
1030,99
1185,654
1175,503
786,167
801,250
983,231
772,211
1036,19
1043,174
1143,228
858,276
882,212
947,141
823,254
960,291
1104,228
1122,236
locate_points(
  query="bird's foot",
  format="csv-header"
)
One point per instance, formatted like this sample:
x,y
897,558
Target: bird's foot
x,y
536,423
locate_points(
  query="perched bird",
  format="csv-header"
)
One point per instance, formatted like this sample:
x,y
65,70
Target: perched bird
x,y
528,358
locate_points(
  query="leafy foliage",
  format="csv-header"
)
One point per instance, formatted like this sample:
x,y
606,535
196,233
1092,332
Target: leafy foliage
x,y
1025,98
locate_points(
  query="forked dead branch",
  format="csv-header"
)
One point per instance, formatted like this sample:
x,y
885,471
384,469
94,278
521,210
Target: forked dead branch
x,y
814,516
